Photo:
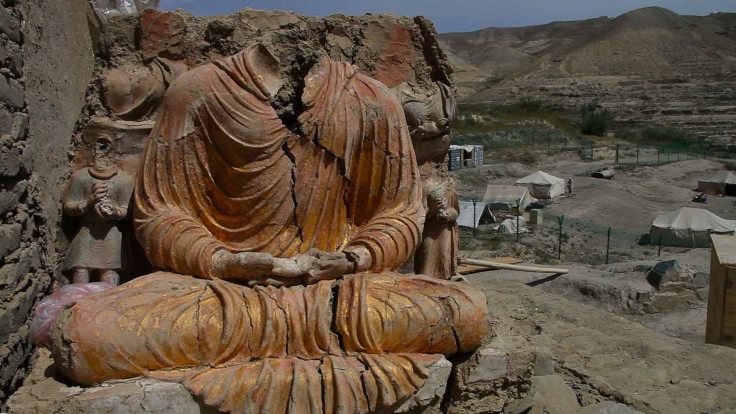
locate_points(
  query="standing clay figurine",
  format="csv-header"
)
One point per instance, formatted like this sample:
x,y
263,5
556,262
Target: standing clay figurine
x,y
100,196
436,255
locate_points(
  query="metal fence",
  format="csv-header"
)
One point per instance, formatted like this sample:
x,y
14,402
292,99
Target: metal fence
x,y
528,139
623,152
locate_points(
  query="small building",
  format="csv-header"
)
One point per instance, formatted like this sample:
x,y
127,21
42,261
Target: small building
x,y
720,327
722,182
455,161
503,197
471,155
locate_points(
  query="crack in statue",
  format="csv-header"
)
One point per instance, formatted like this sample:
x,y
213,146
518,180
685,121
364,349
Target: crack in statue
x,y
249,312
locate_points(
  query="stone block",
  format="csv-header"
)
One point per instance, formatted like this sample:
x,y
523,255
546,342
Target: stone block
x,y
428,398
10,161
544,364
9,238
10,196
43,393
10,24
491,364
18,310
12,93
19,127
668,301
551,395
608,407
6,121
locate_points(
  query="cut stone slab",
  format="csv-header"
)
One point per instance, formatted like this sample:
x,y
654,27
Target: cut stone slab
x,y
608,407
553,396
428,399
44,393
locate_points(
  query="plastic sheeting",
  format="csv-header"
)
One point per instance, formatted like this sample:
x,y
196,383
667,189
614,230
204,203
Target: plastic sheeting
x,y
543,185
508,226
107,8
48,310
688,227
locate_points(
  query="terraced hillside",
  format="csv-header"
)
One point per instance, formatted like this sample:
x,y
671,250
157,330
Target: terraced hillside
x,y
648,66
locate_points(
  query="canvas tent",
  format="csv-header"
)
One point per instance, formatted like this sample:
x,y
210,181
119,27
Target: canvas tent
x,y
503,197
721,182
543,185
482,214
688,227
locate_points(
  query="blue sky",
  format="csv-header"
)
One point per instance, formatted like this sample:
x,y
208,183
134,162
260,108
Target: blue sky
x,y
458,15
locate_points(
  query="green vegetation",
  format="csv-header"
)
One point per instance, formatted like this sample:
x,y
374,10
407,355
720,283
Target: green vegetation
x,y
487,118
664,135
594,120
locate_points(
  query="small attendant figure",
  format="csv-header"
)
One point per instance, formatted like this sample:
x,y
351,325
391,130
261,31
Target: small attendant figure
x,y
100,196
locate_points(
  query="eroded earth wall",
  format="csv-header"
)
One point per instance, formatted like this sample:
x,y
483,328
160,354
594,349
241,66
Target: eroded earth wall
x,y
46,64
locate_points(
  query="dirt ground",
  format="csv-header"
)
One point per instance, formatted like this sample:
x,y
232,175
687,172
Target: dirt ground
x,y
628,204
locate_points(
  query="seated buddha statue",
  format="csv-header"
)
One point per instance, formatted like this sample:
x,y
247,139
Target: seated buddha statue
x,y
277,249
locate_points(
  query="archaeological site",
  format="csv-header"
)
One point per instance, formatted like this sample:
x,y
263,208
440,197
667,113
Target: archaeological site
x,y
213,208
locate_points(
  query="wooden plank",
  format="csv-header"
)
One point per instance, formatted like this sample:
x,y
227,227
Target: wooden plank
x,y
716,299
468,269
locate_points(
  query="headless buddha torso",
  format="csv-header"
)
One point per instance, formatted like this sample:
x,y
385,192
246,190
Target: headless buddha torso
x,y
223,171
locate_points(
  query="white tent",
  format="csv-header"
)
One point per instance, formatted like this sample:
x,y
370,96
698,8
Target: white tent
x,y
503,197
543,185
465,218
508,226
688,227
721,182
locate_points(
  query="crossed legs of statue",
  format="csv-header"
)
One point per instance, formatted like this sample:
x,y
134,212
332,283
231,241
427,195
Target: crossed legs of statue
x,y
362,344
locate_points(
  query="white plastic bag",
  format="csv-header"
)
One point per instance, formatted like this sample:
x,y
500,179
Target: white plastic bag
x,y
107,8
48,310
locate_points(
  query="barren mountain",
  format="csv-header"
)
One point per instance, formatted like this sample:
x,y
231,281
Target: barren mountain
x,y
647,64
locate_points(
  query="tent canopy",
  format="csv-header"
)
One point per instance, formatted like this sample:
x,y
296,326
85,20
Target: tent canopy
x,y
689,227
543,185
503,197
720,182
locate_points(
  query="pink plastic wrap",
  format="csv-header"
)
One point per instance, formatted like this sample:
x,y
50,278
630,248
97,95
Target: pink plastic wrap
x,y
48,310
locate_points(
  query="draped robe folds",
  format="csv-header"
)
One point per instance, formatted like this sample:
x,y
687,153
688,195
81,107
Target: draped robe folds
x,y
222,172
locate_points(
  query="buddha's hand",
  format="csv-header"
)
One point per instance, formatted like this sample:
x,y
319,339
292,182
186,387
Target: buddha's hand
x,y
259,268
327,266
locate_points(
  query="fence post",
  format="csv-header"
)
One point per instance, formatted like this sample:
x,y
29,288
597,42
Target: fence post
x,y
518,213
608,244
475,200
657,155
637,154
617,145
549,139
559,240
659,253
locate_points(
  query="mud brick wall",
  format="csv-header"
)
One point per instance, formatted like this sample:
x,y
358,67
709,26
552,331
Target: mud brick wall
x,y
46,64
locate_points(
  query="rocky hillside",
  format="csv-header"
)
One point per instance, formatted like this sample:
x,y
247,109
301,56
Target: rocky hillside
x,y
649,65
